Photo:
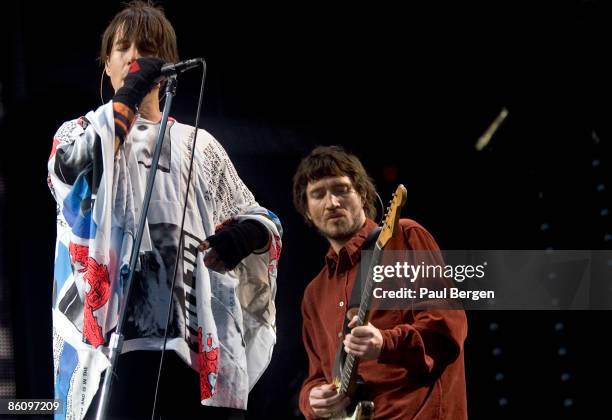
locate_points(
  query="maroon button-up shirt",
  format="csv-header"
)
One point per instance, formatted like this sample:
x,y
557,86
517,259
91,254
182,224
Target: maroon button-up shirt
x,y
420,371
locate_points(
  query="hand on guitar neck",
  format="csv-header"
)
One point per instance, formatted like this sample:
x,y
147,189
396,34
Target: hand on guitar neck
x,y
364,341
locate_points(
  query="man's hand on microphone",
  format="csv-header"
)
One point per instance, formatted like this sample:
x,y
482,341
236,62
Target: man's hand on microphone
x,y
137,84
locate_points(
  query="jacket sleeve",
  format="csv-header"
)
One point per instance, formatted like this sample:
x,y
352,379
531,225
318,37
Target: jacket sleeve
x,y
72,151
315,372
429,339
231,197
233,201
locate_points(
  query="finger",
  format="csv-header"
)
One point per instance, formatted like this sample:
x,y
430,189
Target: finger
x,y
329,410
352,312
321,393
362,331
326,403
353,322
354,349
359,341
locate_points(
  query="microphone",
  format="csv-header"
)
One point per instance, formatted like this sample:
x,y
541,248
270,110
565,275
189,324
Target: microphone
x,y
170,69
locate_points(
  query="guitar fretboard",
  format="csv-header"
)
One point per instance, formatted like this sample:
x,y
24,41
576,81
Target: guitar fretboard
x,y
351,362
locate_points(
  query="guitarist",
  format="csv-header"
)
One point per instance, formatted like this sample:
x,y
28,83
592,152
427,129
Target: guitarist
x,y
411,361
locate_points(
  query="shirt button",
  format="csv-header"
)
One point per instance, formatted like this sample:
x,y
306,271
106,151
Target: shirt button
x,y
341,304
340,334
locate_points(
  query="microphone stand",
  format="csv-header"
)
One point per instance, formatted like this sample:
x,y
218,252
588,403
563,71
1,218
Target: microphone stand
x,y
115,344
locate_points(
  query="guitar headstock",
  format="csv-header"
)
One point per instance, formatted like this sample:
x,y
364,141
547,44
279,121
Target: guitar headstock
x,y
392,216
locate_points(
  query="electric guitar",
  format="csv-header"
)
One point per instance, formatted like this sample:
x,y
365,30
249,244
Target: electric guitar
x,y
345,368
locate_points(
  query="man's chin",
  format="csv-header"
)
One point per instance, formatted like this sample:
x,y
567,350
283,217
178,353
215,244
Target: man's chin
x,y
339,232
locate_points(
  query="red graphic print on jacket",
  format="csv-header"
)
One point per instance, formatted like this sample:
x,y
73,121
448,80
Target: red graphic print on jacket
x,y
97,277
209,365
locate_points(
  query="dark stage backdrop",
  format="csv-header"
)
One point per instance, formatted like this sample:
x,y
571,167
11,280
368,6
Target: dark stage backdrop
x,y
410,91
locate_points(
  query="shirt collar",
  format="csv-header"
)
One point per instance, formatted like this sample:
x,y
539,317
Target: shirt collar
x,y
350,254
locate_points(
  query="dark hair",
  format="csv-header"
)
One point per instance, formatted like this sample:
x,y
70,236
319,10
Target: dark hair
x,y
146,25
326,161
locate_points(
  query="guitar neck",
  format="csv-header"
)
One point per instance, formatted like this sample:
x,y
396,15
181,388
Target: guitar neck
x,y
348,371
352,362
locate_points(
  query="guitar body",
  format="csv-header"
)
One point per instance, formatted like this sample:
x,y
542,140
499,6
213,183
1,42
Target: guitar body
x,y
363,410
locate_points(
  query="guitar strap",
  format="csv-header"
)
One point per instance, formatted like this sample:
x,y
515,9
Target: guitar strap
x,y
355,301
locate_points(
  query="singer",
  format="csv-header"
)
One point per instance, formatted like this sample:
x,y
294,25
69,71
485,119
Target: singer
x,y
222,327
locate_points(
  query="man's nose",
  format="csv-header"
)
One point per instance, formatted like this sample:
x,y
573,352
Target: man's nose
x,y
133,54
331,200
